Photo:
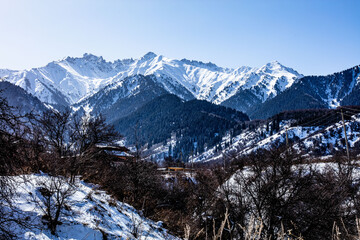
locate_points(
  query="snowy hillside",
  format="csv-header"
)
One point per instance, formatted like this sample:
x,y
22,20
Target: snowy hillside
x,y
69,80
89,214
20,99
310,140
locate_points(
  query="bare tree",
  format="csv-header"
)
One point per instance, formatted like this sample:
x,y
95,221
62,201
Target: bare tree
x,y
88,131
55,127
278,192
52,198
86,134
11,162
70,140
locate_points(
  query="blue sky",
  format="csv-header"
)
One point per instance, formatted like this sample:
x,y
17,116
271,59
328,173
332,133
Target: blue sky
x,y
311,36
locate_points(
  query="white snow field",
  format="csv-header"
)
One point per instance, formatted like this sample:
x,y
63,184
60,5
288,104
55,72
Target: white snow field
x,y
90,214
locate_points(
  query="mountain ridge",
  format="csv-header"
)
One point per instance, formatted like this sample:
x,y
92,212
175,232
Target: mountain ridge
x,y
330,91
73,79
94,85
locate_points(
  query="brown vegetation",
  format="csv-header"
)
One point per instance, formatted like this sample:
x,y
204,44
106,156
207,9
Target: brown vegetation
x,y
269,196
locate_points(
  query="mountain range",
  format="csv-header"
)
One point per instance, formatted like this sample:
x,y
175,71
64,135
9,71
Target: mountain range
x,y
97,86
162,96
94,84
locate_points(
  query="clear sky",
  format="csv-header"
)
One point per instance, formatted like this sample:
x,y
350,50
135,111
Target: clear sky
x,y
311,36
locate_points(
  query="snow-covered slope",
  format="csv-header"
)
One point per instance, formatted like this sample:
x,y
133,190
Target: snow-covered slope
x,y
89,214
308,140
125,96
72,79
66,81
20,99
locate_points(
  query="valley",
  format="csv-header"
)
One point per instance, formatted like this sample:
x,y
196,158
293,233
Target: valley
x,y
233,135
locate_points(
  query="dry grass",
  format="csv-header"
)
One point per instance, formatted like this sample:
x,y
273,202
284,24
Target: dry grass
x,y
254,231
342,232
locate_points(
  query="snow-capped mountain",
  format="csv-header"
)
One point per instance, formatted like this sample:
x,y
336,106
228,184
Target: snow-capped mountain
x,y
71,80
64,82
123,97
331,91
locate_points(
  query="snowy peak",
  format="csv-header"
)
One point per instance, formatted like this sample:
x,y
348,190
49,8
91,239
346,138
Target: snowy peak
x,y
275,66
331,91
209,65
277,70
148,56
70,80
91,57
86,57
242,69
89,66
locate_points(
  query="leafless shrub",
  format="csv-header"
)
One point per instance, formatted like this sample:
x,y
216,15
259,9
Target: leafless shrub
x,y
52,197
136,227
12,132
